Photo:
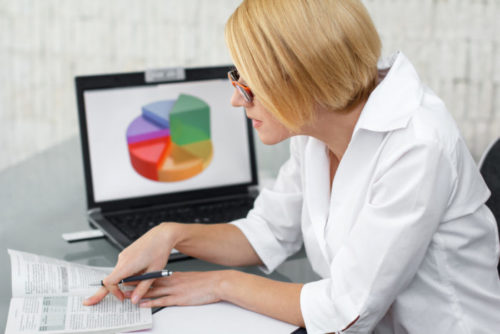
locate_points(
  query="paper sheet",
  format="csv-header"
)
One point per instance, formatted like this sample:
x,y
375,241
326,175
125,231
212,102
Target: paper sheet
x,y
63,314
215,319
39,275
48,296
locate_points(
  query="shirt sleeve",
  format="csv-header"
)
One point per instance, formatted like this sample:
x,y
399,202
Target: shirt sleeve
x,y
273,225
405,204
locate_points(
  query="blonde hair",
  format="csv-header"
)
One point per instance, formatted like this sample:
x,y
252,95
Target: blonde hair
x,y
296,55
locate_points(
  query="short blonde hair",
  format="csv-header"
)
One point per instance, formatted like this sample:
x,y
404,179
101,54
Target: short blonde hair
x,y
299,54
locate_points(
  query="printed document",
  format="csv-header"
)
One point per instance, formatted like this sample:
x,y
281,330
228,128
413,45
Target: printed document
x,y
47,297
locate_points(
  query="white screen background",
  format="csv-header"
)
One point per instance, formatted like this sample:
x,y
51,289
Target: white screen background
x,y
109,113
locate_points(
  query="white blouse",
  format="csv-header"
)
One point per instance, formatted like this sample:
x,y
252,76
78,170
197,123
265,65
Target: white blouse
x,y
403,241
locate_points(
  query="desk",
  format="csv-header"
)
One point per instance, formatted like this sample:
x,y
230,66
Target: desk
x,y
44,196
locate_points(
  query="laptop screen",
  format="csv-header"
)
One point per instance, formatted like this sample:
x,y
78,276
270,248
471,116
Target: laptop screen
x,y
165,138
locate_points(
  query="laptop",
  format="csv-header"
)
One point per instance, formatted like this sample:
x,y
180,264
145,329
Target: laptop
x,y
164,145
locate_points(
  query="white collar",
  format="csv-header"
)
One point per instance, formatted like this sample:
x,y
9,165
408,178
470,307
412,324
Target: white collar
x,y
395,99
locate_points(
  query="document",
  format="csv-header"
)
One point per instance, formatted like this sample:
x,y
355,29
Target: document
x,y
47,296
215,318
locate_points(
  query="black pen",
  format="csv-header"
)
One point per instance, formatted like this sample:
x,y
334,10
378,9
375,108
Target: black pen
x,y
150,275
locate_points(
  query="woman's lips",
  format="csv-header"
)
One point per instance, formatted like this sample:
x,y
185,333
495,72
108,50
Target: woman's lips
x,y
256,123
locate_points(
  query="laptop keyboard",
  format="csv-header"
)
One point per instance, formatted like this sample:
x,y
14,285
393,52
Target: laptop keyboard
x,y
136,224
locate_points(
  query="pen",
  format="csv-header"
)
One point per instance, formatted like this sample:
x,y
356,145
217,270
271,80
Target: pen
x,y
150,275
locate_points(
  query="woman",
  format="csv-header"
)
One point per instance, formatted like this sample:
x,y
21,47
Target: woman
x,y
379,187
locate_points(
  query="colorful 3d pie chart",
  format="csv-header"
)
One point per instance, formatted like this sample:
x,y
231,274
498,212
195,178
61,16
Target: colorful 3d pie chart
x,y
170,140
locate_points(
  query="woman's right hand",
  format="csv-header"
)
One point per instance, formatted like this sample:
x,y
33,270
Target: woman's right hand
x,y
148,253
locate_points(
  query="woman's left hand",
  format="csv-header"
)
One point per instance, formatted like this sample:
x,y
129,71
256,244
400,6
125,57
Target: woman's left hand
x,y
184,288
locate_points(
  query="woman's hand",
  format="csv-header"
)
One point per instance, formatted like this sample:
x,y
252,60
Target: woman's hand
x,y
280,300
148,253
184,288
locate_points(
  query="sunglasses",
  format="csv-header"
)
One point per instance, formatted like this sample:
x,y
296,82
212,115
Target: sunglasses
x,y
234,76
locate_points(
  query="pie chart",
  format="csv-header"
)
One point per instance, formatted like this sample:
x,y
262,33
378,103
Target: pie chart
x,y
170,140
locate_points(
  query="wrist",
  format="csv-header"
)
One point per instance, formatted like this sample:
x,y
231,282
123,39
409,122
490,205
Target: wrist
x,y
225,284
172,233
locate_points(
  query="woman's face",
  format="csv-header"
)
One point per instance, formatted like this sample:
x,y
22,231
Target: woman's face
x,y
269,129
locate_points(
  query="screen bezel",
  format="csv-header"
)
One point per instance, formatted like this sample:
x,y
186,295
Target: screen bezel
x,y
120,80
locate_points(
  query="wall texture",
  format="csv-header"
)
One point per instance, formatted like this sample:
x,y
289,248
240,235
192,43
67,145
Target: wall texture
x,y
45,43
455,45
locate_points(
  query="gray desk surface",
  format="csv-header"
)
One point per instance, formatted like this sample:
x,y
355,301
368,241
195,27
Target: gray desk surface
x,y
44,196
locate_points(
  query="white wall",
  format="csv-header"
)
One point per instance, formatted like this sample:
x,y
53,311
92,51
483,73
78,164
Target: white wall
x,y
45,43
455,45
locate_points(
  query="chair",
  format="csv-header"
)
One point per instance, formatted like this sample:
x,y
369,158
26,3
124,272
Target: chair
x,y
489,166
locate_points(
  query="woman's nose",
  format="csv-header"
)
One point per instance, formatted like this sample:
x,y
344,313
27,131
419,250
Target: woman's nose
x,y
237,100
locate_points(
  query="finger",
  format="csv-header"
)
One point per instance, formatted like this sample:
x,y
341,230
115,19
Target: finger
x,y
133,283
141,290
158,292
167,280
113,288
128,293
159,302
97,297
121,271
112,280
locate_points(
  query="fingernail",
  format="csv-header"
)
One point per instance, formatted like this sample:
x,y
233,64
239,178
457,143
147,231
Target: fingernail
x,y
144,304
135,299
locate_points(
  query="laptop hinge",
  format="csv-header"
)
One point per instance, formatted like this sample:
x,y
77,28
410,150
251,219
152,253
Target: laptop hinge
x,y
253,190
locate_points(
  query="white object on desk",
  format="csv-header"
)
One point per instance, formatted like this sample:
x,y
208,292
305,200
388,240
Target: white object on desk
x,y
215,318
83,235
